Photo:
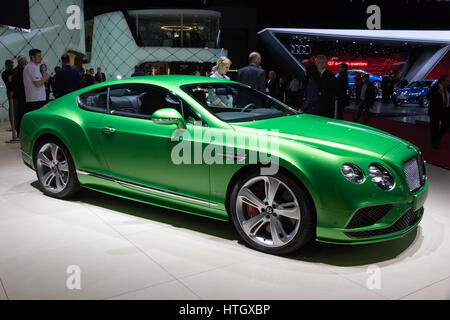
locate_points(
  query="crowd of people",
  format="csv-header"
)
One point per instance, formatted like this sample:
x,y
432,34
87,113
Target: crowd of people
x,y
321,92
28,85
325,94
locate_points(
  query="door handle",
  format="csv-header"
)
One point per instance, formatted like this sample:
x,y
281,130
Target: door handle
x,y
108,130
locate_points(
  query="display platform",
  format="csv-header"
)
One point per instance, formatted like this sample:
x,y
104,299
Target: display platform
x,y
126,250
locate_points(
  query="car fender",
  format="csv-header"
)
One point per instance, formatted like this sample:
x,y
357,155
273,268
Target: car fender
x,y
81,148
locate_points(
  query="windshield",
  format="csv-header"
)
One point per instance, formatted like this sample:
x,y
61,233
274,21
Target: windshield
x,y
236,103
419,84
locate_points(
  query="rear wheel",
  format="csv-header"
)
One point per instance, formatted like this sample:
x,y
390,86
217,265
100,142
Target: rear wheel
x,y
55,169
272,214
378,91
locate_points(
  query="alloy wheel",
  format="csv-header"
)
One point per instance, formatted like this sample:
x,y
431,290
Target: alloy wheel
x,y
268,211
52,168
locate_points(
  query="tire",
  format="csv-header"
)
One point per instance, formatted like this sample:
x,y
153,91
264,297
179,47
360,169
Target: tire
x,y
425,103
378,91
296,231
55,169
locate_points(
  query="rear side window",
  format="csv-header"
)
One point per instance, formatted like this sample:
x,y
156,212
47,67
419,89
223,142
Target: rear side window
x,y
95,100
140,101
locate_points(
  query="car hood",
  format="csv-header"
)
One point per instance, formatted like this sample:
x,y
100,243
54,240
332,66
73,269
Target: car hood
x,y
323,133
375,78
412,90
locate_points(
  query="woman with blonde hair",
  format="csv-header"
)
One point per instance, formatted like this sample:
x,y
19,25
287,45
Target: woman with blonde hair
x,y
221,68
220,72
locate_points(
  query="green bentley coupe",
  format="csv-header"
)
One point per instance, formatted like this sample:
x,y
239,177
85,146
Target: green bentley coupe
x,y
220,149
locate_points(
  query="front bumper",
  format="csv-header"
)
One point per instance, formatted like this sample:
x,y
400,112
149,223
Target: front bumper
x,y
408,99
400,220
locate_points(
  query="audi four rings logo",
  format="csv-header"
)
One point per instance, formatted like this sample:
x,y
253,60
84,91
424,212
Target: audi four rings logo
x,y
300,49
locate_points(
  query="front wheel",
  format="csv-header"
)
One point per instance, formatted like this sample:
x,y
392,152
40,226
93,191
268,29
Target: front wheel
x,y
272,214
55,169
425,103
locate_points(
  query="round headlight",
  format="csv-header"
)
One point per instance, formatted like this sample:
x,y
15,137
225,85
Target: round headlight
x,y
381,176
352,173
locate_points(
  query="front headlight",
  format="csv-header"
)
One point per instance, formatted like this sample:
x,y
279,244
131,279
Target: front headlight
x,y
381,176
352,173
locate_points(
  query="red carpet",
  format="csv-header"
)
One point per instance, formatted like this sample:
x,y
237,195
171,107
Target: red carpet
x,y
416,134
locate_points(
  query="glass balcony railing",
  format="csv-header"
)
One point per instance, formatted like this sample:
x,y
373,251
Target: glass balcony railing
x,y
176,28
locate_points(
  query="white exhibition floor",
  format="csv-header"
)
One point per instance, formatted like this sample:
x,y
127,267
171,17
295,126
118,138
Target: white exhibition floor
x,y
128,250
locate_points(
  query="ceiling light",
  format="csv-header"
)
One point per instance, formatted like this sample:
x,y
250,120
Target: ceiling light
x,y
176,28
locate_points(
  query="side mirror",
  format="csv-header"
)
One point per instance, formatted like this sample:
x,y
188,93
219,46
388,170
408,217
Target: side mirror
x,y
168,116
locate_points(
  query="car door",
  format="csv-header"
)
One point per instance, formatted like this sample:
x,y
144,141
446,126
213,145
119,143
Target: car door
x,y
139,151
93,106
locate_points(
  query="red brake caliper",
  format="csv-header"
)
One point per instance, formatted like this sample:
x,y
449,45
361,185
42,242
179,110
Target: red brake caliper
x,y
258,190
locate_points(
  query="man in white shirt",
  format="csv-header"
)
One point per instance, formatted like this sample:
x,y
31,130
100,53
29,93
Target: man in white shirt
x,y
34,82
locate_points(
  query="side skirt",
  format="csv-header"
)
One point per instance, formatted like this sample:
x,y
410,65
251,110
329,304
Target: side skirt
x,y
151,196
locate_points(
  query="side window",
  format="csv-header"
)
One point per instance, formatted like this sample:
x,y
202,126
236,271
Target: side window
x,y
126,101
140,101
95,100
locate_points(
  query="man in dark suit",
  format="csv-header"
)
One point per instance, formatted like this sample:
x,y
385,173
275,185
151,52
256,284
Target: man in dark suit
x,y
19,91
99,76
67,78
367,98
272,88
439,110
252,74
88,78
342,87
7,76
385,88
358,83
327,87
7,79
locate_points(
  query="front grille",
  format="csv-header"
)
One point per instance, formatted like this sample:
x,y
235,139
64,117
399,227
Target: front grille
x,y
369,215
415,172
409,218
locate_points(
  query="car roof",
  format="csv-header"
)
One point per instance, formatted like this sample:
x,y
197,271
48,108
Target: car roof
x,y
171,81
